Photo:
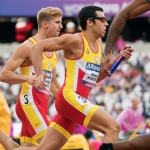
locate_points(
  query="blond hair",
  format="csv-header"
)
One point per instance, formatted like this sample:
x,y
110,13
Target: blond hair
x,y
45,14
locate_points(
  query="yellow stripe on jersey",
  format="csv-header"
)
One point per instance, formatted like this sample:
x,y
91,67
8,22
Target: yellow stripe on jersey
x,y
36,122
32,40
48,63
38,135
25,86
71,74
78,77
60,129
28,140
89,115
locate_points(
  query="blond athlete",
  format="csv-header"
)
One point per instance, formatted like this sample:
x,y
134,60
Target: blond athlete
x,y
32,104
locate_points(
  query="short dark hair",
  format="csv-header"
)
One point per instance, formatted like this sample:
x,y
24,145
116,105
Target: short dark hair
x,y
87,12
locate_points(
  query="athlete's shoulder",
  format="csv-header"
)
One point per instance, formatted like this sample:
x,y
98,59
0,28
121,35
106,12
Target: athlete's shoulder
x,y
27,43
73,39
71,35
24,48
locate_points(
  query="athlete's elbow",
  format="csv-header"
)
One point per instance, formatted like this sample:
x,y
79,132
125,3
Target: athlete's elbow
x,y
3,76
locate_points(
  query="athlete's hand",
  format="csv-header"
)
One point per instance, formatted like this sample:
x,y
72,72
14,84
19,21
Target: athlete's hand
x,y
40,84
126,52
31,80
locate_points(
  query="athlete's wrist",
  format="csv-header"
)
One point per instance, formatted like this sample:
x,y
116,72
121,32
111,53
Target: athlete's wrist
x,y
25,78
39,74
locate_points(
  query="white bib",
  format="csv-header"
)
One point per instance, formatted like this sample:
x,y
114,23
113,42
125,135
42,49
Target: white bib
x,y
91,74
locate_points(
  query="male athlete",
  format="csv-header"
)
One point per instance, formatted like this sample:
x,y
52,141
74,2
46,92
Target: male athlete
x,y
32,103
83,54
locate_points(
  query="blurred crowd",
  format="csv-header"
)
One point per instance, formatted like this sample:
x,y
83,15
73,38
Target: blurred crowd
x,y
122,95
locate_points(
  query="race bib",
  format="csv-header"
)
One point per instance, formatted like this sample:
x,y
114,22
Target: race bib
x,y
25,99
82,101
48,79
91,74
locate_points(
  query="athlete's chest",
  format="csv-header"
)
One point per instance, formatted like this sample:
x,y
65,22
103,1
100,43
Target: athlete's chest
x,y
48,63
91,57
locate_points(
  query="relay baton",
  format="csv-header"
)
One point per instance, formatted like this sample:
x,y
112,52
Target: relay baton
x,y
116,64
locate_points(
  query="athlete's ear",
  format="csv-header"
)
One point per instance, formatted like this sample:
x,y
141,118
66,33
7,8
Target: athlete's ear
x,y
45,24
89,22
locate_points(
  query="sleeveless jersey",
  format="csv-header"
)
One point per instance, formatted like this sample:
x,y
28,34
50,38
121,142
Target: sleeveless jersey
x,y
82,73
48,63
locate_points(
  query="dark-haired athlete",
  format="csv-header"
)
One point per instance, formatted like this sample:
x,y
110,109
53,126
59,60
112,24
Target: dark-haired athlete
x,y
83,55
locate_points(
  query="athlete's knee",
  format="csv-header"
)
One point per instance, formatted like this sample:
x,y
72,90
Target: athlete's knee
x,y
114,128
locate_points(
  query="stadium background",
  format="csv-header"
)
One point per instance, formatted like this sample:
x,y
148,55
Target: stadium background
x,y
18,22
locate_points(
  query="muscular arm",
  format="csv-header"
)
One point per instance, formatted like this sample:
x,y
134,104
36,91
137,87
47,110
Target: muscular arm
x,y
132,10
7,74
65,42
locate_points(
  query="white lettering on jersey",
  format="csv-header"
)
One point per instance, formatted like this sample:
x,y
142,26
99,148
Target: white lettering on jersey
x,y
91,74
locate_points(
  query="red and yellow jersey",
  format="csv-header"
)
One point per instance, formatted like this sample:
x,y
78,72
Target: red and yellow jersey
x,y
82,73
48,63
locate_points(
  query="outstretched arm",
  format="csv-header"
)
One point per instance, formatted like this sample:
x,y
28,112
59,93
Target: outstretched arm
x,y
132,10
52,44
65,42
125,52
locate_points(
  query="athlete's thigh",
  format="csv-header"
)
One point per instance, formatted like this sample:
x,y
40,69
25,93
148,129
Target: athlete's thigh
x,y
53,139
32,116
26,139
74,107
101,120
63,125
